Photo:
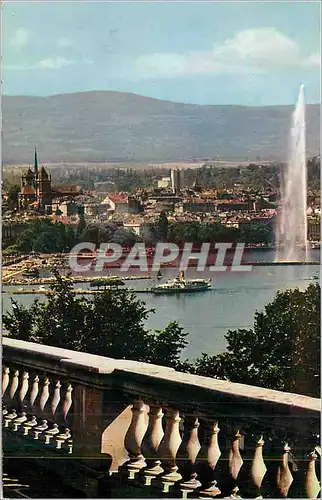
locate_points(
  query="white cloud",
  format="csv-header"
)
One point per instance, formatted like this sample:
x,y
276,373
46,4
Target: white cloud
x,y
53,63
64,42
255,50
314,60
20,38
49,63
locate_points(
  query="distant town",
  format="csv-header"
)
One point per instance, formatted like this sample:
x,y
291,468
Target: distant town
x,y
205,202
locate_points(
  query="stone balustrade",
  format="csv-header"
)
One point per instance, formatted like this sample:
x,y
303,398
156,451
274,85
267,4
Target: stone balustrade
x,y
167,433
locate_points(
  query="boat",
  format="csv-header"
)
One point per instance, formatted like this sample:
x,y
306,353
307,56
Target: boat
x,y
181,285
314,277
106,282
31,273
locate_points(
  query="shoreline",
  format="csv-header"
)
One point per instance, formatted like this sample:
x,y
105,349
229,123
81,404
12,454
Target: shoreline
x,y
78,279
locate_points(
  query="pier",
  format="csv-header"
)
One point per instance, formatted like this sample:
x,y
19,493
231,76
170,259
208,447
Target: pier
x,y
73,279
36,291
297,263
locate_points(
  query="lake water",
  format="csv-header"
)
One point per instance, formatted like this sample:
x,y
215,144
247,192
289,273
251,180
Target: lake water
x,y
208,315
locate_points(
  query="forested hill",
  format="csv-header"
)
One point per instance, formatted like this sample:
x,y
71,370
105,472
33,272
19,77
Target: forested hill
x,y
117,126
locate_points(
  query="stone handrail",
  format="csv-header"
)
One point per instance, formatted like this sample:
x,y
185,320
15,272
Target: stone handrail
x,y
167,422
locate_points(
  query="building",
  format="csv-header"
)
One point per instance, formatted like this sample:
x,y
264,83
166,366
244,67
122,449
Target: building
x,y
95,209
37,193
196,205
133,226
67,208
164,183
225,205
177,180
163,203
314,228
117,202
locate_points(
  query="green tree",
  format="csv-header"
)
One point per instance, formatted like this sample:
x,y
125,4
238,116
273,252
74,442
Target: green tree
x,y
45,236
124,237
256,232
110,324
168,344
80,226
162,227
20,321
314,172
12,200
281,352
94,233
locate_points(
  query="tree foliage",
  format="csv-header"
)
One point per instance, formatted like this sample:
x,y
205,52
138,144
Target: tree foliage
x,y
110,324
162,227
45,236
314,172
12,199
194,232
124,237
281,352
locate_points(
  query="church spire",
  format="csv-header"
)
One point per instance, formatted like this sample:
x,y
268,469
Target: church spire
x,y
36,162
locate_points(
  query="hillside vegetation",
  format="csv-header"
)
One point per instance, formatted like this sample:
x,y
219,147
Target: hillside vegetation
x,y
117,126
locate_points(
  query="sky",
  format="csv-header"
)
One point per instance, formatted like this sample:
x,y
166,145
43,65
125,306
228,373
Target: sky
x,y
248,53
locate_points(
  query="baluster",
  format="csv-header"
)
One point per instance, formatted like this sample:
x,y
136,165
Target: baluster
x,y
258,469
70,446
61,438
56,398
40,429
44,394
213,455
19,421
34,391
312,485
14,384
190,447
51,433
134,436
168,449
24,387
9,417
151,443
284,476
67,401
5,379
234,494
29,425
235,460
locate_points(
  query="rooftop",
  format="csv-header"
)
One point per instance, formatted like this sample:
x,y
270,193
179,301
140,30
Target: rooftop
x,y
118,197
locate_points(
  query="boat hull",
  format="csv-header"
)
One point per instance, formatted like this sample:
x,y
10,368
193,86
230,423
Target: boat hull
x,y
169,291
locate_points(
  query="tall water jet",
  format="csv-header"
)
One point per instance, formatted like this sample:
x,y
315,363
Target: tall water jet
x,y
291,228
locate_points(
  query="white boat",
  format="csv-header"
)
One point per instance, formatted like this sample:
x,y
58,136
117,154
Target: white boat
x,y
181,285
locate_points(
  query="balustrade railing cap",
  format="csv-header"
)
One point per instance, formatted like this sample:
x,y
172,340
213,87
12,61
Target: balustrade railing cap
x,y
29,352
92,362
108,365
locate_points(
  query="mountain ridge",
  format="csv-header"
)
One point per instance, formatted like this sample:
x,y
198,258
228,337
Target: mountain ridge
x,y
104,126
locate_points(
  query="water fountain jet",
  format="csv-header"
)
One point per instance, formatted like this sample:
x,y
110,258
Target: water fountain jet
x,y
291,228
